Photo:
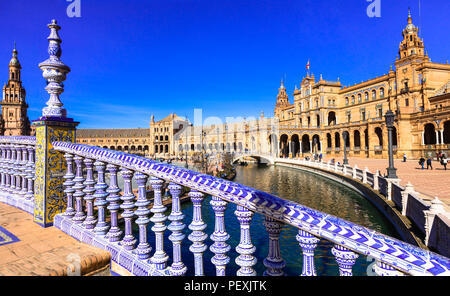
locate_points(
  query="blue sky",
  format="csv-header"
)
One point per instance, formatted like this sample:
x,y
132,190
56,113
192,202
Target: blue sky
x,y
134,58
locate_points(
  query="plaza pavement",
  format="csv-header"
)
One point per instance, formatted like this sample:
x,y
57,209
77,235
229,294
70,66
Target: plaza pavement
x,y
45,251
429,183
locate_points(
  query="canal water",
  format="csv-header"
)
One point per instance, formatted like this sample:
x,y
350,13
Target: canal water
x,y
302,187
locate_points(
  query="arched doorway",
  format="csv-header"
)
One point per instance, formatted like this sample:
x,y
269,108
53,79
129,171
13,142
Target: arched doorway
x,y
337,140
316,144
284,145
329,140
306,146
295,145
446,132
379,134
429,134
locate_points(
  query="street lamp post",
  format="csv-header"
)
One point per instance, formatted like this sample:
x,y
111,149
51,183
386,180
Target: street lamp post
x,y
186,146
345,148
391,170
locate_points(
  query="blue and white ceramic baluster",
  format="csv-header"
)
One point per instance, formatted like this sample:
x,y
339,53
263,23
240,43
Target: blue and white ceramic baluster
x,y
128,241
8,169
382,269
273,262
68,184
143,249
345,258
219,236
89,222
176,226
245,248
113,198
159,257
30,173
197,237
2,167
24,173
102,227
18,170
13,169
308,243
79,194
10,177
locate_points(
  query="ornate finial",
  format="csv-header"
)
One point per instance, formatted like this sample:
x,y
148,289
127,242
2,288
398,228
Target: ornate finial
x,y
54,71
14,62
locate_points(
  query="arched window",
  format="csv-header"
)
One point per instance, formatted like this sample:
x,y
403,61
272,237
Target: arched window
x,y
382,92
374,95
353,99
346,100
359,98
366,96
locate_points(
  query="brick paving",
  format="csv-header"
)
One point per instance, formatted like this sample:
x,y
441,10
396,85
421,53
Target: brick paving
x,y
44,251
429,183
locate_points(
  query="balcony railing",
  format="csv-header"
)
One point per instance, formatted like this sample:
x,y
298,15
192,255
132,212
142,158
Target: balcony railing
x,y
17,171
133,252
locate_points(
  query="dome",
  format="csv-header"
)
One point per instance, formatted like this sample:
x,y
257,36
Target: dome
x,y
14,60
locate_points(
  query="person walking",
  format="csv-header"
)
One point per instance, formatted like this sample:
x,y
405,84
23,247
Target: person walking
x,y
429,163
404,157
422,162
444,162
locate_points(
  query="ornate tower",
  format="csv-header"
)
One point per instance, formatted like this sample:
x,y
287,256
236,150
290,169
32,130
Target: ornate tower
x,y
411,45
15,121
282,99
409,70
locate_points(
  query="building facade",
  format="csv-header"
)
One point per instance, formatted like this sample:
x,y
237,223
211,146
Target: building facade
x,y
14,119
326,116
135,141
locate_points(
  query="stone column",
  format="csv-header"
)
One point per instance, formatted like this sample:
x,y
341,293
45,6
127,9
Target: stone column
x,y
437,137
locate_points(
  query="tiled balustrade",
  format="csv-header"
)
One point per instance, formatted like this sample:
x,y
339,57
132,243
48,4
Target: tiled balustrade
x,y
132,252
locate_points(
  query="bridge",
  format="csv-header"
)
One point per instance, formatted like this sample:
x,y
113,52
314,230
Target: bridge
x,y
75,188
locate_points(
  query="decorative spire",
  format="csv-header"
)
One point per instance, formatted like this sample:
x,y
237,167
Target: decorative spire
x,y
54,71
282,85
14,60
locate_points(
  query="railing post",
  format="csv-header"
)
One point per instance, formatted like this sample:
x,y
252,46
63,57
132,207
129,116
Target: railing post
x,y
273,262
197,237
345,259
219,236
128,241
308,243
437,207
176,226
364,178
405,193
354,172
113,198
30,173
52,126
68,184
143,249
79,194
159,257
376,186
90,221
102,227
245,248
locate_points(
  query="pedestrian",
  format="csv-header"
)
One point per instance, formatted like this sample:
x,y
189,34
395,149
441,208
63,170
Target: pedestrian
x,y
421,162
444,162
429,163
404,157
